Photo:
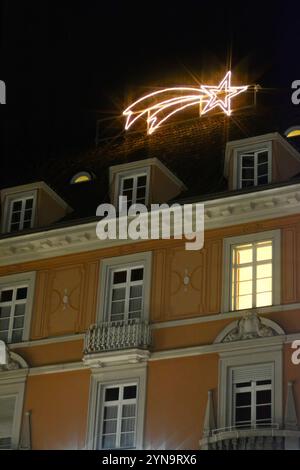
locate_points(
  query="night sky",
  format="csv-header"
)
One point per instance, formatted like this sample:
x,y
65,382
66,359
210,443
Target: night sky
x,y
68,64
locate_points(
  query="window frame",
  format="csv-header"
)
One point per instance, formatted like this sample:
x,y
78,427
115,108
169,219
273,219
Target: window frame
x,y
255,356
8,206
229,243
17,389
253,148
101,379
20,280
107,266
133,173
100,412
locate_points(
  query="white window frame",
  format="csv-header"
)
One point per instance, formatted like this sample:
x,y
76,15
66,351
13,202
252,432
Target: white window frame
x,y
107,266
254,148
249,357
127,375
16,389
120,176
8,205
21,280
230,242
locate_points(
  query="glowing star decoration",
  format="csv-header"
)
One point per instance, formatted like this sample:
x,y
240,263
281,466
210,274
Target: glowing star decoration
x,y
206,97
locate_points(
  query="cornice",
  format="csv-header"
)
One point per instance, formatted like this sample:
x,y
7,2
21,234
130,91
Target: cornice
x,y
229,211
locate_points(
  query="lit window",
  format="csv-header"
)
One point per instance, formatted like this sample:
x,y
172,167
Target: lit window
x,y
118,417
21,212
252,273
254,168
81,177
126,294
293,132
7,411
135,188
252,397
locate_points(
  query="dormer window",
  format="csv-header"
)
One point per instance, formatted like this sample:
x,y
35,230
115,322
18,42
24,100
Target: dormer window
x,y
254,168
135,188
21,213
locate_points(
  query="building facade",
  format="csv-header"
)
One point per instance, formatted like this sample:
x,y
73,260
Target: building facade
x,y
144,344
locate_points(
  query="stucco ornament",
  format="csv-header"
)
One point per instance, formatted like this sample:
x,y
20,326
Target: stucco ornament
x,y
10,363
250,326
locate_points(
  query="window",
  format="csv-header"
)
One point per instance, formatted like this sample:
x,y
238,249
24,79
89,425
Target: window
x,y
251,271
118,417
254,168
82,177
126,294
135,188
16,294
21,212
7,411
252,397
125,288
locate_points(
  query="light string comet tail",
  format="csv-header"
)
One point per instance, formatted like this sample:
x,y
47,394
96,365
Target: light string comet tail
x,y
206,97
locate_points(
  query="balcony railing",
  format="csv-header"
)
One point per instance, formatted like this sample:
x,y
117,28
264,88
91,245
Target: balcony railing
x,y
116,335
254,438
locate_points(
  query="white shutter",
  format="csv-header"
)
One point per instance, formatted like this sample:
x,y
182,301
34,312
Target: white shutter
x,y
256,372
7,409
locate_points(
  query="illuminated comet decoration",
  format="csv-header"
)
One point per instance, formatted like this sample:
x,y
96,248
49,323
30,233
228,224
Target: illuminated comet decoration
x,y
160,105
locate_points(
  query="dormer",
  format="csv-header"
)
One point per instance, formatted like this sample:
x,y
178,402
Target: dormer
x,y
260,160
146,182
30,206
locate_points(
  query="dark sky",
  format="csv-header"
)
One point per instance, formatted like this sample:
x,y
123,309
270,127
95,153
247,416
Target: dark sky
x,y
67,64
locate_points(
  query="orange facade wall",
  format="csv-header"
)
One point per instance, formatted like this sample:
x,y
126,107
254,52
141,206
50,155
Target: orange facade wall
x,y
59,408
176,401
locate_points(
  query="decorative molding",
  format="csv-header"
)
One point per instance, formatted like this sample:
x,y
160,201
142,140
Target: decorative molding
x,y
13,362
113,358
50,340
250,326
222,212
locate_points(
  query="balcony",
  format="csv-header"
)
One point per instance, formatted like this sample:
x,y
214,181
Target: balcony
x,y
269,438
112,341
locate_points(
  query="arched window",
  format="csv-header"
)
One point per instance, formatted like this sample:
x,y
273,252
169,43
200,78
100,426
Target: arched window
x,y
293,132
82,177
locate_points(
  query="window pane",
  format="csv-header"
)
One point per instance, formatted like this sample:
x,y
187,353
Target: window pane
x,y
128,425
244,254
141,193
109,442
118,294
244,288
247,160
15,218
264,270
120,277
21,293
262,157
110,412
262,169
127,440
243,399
17,206
129,392
6,295
263,396
117,307
247,183
5,312
136,291
263,179
142,180
137,274
243,384
4,324
18,322
110,427
244,301
29,204
264,285
17,336
14,227
264,299
243,414
263,412
244,273
128,183
248,173
112,394
135,305
264,252
20,309
4,336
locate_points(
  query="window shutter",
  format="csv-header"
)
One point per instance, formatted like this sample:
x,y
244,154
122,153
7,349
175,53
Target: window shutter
x,y
7,408
257,372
